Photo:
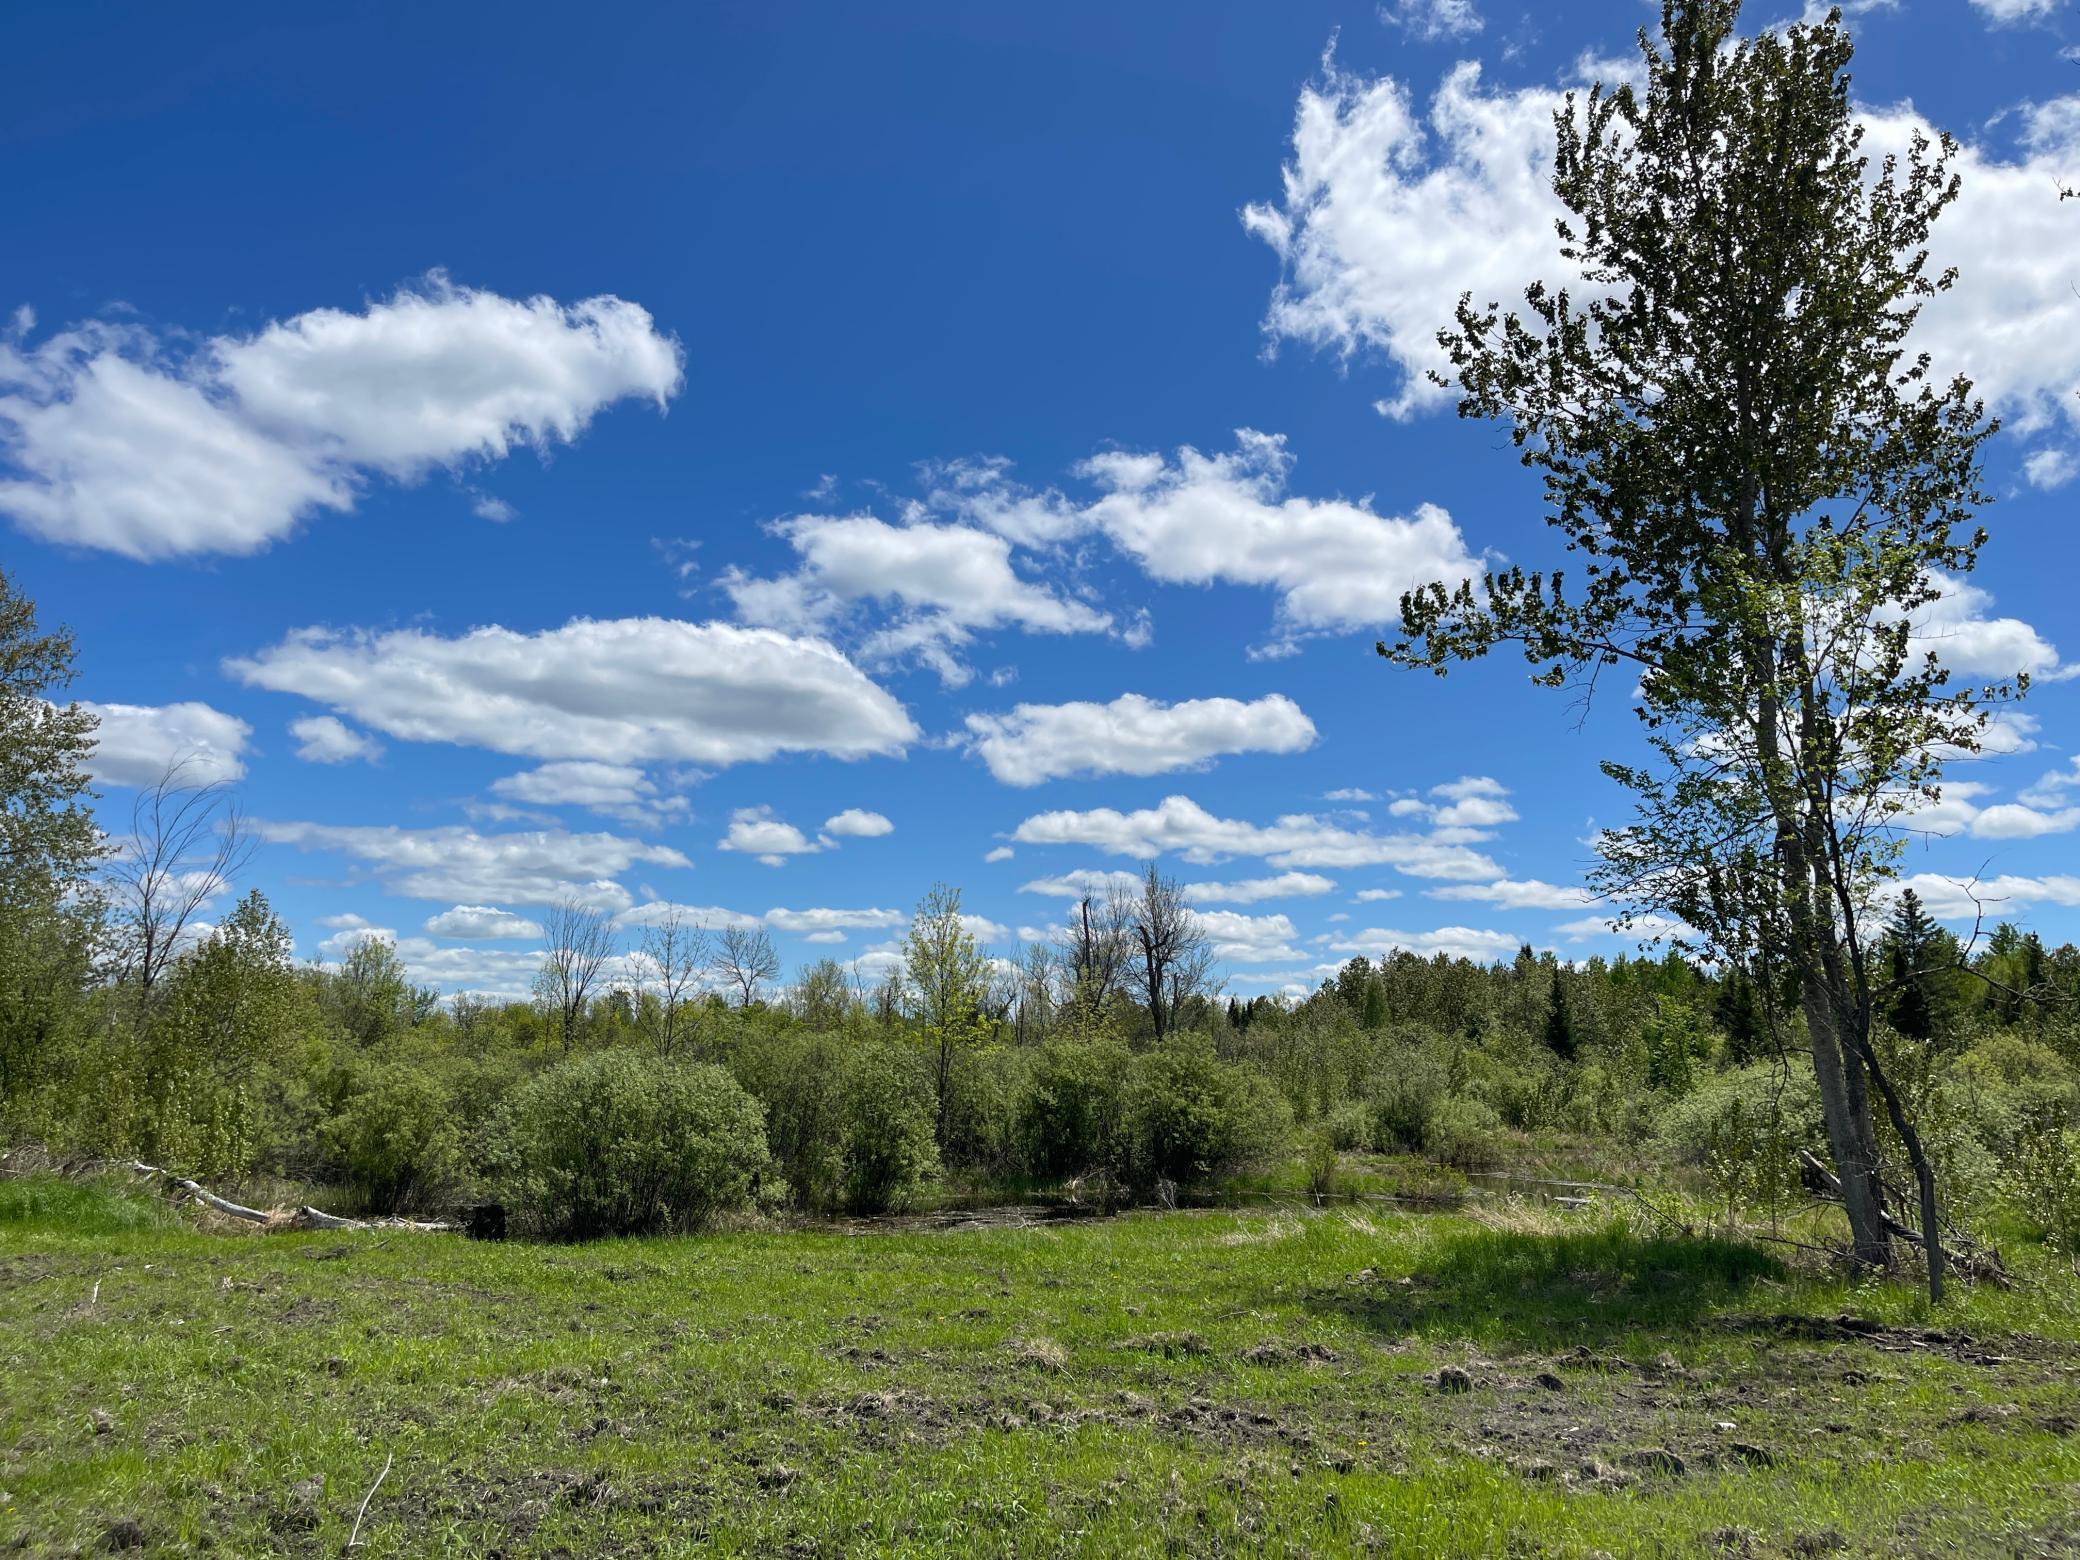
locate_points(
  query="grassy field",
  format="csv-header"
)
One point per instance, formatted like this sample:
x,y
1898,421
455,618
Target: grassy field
x,y
1507,1383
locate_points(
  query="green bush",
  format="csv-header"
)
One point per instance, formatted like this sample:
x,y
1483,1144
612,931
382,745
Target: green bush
x,y
1192,1117
1742,1129
2043,1185
394,1139
1349,1127
800,1079
889,1151
1406,1094
619,1144
1072,1117
1464,1133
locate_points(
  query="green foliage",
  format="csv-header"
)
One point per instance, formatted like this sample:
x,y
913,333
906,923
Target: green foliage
x,y
1073,1118
394,1139
1742,1129
802,1080
889,1148
100,1207
1464,1133
1192,1117
617,1144
2043,1187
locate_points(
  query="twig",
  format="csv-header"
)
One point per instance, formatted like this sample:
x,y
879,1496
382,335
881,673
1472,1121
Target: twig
x,y
354,1538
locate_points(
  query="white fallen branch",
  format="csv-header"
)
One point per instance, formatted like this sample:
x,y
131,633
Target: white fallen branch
x,y
304,1218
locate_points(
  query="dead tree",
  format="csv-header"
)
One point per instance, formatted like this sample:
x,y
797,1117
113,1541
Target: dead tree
x,y
1174,956
187,842
744,956
581,940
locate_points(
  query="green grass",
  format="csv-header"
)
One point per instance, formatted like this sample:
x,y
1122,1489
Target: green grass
x,y
1210,1383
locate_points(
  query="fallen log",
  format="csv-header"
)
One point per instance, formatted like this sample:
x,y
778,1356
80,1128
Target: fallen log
x,y
1968,1259
303,1218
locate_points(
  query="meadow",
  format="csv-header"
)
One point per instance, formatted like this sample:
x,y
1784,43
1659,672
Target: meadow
x,y
1507,1378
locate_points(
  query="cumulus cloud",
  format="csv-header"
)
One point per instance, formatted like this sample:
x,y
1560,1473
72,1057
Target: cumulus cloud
x,y
1098,884
1001,853
2006,12
858,823
1180,824
1389,211
938,586
482,923
150,446
620,691
1458,942
2002,897
529,867
137,743
1959,629
760,832
1133,735
1287,885
1465,809
1250,939
326,739
620,791
1514,894
1227,518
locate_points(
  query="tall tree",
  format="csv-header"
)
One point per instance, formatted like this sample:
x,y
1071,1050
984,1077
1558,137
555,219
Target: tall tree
x,y
1095,947
1919,960
675,954
1765,487
1174,957
188,842
948,979
49,846
580,940
745,958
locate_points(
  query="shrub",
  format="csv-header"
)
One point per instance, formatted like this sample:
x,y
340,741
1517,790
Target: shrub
x,y
890,1153
800,1079
1193,1117
615,1144
1465,1134
1405,1095
1349,1126
1742,1128
2043,1184
1072,1116
1322,1163
394,1138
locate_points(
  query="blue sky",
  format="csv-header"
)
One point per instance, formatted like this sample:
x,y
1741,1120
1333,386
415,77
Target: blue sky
x,y
744,456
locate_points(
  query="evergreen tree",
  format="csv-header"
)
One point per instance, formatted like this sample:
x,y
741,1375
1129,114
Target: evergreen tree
x,y
1560,1037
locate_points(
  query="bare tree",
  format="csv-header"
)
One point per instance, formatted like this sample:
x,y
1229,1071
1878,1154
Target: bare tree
x,y
187,842
1174,956
1095,948
580,941
675,954
744,956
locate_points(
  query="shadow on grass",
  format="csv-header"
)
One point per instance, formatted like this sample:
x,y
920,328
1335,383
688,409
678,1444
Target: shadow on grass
x,y
1553,1291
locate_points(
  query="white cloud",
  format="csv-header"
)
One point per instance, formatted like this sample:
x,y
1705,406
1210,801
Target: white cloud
x,y
1133,735
2003,897
1226,518
1250,939
614,790
1468,808
858,823
497,510
1644,928
2050,468
1389,213
147,446
760,832
824,920
1966,640
1299,840
1368,896
1458,942
1084,880
939,583
2007,12
482,923
531,867
624,691
1433,20
1349,793
1001,853
326,739
1287,885
1510,894
137,743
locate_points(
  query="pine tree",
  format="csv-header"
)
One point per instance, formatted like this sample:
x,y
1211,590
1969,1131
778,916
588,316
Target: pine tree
x,y
1560,1037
